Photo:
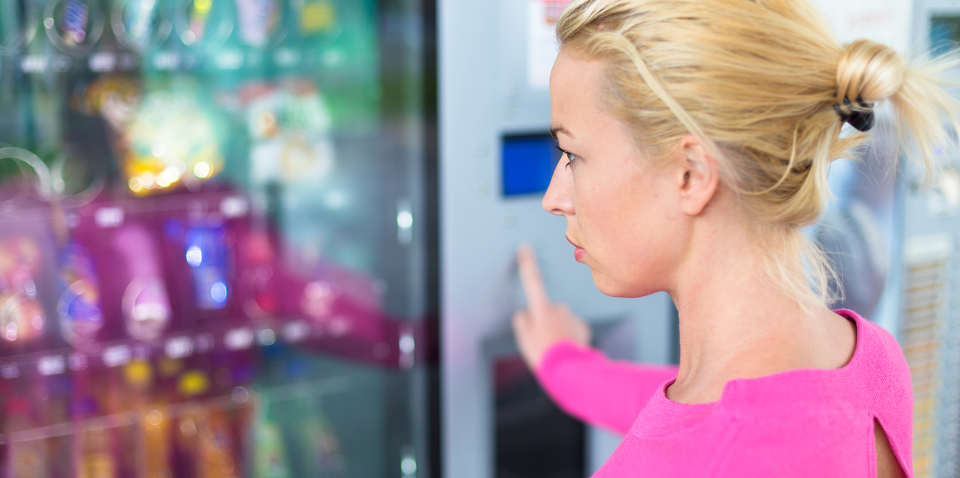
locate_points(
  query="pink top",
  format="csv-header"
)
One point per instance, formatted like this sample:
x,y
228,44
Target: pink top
x,y
798,423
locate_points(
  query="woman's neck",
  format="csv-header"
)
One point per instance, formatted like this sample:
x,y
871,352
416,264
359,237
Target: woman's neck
x,y
736,323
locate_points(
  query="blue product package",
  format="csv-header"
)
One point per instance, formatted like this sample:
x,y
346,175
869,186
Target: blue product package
x,y
206,254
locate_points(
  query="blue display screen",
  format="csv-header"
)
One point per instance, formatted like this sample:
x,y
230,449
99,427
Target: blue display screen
x,y
527,162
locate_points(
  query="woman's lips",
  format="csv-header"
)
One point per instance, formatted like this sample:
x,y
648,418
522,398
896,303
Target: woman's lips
x,y
578,251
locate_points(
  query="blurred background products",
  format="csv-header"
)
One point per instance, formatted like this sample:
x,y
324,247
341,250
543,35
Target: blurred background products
x,y
201,268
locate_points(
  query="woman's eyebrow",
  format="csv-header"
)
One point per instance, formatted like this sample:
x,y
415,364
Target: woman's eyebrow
x,y
559,129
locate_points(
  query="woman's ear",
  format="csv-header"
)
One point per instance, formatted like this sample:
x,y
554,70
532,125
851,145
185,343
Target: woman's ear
x,y
698,175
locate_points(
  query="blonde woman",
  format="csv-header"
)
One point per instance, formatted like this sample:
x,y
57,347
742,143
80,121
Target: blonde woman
x,y
696,139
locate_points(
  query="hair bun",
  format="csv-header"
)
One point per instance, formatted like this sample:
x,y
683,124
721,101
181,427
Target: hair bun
x,y
869,72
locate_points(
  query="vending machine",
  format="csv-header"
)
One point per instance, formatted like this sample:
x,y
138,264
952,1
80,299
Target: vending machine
x,y
217,238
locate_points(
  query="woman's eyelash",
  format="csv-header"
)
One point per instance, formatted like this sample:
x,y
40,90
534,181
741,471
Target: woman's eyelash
x,y
570,157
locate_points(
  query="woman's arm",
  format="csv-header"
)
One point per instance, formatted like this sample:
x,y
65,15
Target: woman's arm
x,y
602,392
581,380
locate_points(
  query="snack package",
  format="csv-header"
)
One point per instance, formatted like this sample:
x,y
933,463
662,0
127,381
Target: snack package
x,y
145,304
22,316
259,20
78,305
139,24
27,280
170,141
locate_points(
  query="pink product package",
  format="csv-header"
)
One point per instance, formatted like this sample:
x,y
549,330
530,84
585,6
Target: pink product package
x,y
257,256
27,281
342,308
144,302
133,292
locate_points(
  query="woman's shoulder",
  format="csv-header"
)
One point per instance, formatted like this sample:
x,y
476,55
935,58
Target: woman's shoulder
x,y
877,372
781,438
823,418
803,421
881,368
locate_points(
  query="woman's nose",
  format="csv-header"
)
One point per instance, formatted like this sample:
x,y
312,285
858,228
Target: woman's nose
x,y
559,198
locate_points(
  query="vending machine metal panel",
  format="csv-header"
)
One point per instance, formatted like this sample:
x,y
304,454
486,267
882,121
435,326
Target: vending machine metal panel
x,y
496,159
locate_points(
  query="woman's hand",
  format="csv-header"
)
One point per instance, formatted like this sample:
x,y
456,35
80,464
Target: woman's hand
x,y
543,323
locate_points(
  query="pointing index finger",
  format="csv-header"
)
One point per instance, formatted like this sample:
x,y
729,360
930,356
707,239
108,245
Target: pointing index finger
x,y
533,288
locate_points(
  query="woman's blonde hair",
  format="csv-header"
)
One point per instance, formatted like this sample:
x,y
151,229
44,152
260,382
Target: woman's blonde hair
x,y
758,81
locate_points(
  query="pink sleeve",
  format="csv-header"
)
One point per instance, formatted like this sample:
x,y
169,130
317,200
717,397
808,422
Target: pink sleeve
x,y
602,392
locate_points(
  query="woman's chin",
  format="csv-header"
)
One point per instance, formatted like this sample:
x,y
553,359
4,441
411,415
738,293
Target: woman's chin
x,y
614,288
607,286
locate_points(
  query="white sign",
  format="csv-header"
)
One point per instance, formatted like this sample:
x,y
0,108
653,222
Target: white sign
x,y
884,21
542,45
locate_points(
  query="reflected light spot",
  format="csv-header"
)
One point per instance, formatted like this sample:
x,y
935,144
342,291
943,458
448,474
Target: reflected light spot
x,y
168,177
194,256
218,292
135,185
404,220
202,170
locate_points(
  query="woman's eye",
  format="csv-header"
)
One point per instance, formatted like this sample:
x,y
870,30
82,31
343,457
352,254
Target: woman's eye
x,y
570,156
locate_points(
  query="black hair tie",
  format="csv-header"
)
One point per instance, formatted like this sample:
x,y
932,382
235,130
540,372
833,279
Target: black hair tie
x,y
860,118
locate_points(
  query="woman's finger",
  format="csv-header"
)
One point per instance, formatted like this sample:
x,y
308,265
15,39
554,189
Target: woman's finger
x,y
519,321
537,300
